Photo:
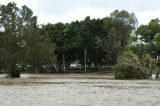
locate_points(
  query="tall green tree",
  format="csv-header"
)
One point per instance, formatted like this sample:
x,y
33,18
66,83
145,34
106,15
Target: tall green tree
x,y
148,37
57,35
18,28
10,23
39,51
118,30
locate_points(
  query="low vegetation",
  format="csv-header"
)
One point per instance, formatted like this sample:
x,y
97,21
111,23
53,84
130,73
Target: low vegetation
x,y
130,66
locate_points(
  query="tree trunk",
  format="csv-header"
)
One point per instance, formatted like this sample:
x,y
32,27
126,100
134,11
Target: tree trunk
x,y
36,71
13,73
157,74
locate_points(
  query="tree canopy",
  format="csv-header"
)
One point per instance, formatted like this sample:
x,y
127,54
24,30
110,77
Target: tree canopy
x,y
104,39
22,40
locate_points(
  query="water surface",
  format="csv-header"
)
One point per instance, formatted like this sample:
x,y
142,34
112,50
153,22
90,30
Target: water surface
x,y
55,91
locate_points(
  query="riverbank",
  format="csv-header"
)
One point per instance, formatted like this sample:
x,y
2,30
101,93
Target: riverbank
x,y
87,76
37,78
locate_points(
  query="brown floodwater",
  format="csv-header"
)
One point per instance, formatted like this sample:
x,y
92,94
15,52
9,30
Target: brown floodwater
x,y
51,90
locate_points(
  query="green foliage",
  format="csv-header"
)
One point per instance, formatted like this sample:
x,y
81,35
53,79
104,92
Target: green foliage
x,y
129,19
129,67
150,65
118,28
148,35
139,49
148,42
28,46
22,43
104,39
39,50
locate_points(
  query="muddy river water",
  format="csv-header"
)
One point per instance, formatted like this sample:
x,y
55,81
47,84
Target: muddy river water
x,y
65,91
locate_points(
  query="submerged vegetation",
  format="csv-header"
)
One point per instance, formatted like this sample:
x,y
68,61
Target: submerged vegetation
x,y
26,46
130,66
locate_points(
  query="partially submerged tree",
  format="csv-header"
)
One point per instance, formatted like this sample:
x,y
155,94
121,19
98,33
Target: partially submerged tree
x,y
150,65
20,35
11,25
129,67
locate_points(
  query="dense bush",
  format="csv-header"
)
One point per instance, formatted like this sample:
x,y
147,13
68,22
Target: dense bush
x,y
129,67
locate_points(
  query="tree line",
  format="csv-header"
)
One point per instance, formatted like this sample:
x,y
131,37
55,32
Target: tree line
x,y
103,39
27,46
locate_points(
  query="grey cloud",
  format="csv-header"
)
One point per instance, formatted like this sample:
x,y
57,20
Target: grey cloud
x,y
60,7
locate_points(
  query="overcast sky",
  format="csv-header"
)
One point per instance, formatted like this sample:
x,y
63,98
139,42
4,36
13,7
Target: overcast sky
x,y
53,11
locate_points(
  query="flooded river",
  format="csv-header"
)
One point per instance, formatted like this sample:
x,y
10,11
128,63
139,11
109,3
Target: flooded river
x,y
76,91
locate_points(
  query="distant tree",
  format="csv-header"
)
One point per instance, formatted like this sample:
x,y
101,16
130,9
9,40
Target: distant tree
x,y
72,39
119,28
56,33
104,39
39,51
148,36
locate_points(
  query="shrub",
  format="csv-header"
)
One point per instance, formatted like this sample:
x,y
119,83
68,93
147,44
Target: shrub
x,y
129,67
